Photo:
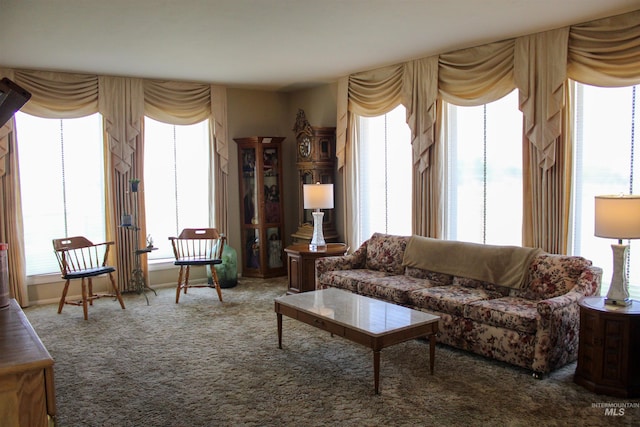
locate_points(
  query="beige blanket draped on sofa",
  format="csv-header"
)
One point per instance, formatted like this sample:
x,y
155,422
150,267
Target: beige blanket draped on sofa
x,y
500,265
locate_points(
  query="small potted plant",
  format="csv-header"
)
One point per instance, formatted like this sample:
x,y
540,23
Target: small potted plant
x,y
134,184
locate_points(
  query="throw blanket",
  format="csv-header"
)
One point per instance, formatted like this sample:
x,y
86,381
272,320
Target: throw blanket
x,y
501,265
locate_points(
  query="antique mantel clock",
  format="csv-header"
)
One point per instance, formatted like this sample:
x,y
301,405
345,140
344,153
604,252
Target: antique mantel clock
x,y
315,163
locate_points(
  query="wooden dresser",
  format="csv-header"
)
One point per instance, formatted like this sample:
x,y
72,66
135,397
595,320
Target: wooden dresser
x,y
27,394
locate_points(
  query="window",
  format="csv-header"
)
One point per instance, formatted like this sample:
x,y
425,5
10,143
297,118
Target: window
x,y
484,173
62,184
605,163
385,167
176,181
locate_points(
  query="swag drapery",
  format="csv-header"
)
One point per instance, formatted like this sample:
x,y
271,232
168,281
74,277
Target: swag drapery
x,y
123,103
605,52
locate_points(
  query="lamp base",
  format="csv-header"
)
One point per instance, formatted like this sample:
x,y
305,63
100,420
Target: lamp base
x,y
619,289
317,241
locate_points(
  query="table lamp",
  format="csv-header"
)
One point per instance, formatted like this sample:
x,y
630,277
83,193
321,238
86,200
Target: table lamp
x,y
317,196
618,217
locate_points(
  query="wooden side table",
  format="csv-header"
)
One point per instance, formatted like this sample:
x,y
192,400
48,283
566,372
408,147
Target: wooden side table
x,y
609,348
301,265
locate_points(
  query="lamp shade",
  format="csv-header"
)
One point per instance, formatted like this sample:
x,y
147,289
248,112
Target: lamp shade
x,y
318,196
617,216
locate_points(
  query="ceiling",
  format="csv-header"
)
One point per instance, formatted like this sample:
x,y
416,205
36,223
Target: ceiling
x,y
265,44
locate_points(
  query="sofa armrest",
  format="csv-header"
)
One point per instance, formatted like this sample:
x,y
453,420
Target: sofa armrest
x,y
588,284
589,281
547,306
559,323
344,262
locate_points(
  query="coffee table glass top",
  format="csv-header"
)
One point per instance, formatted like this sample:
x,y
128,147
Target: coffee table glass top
x,y
356,311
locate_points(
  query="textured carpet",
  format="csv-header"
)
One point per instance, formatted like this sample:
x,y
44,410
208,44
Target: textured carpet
x,y
206,363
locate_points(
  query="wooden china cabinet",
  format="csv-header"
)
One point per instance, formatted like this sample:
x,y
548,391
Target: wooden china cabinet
x,y
261,207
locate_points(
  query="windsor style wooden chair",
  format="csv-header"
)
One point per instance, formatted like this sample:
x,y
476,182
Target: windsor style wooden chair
x,y
197,247
79,258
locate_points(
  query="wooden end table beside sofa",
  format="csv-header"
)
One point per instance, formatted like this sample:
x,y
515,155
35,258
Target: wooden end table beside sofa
x,y
609,348
301,264
373,323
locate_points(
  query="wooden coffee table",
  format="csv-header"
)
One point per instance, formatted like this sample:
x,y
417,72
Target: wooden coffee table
x,y
374,323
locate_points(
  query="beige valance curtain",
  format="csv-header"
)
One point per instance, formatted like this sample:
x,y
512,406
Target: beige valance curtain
x,y
59,95
367,94
376,92
606,52
178,103
477,75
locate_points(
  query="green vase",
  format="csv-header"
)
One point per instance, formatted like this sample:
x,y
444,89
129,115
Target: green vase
x,y
227,271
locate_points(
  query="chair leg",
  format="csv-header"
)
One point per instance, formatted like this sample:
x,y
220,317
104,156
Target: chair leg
x,y
85,309
216,283
90,294
186,278
179,287
64,296
115,289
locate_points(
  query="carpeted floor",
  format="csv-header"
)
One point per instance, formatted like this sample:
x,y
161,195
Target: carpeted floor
x,y
206,363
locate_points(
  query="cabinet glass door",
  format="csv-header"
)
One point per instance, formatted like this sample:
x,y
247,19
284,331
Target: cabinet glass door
x,y
274,249
250,197
271,182
252,248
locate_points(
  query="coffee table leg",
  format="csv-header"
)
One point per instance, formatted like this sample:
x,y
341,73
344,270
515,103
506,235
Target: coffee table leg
x,y
279,315
376,369
432,351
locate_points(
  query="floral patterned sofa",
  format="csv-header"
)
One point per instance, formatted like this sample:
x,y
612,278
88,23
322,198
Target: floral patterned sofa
x,y
533,325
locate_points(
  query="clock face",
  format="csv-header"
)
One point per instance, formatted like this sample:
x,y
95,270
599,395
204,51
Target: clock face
x,y
304,146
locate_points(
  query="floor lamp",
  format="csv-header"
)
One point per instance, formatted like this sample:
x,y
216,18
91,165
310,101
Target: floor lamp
x,y
618,217
317,196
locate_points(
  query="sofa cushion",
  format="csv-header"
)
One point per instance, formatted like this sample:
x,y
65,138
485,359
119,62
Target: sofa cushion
x,y
393,288
552,275
508,312
349,279
385,253
449,299
433,276
479,284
